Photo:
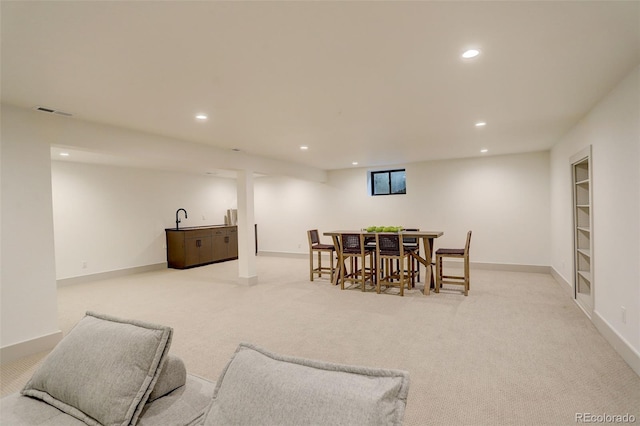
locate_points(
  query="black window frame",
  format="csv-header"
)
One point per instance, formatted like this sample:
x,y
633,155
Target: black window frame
x,y
388,173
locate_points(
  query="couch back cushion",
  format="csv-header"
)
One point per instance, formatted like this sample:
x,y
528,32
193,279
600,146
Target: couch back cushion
x,y
103,371
258,387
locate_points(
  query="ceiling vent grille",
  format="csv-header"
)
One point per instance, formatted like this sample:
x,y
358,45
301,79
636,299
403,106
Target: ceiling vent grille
x,y
52,111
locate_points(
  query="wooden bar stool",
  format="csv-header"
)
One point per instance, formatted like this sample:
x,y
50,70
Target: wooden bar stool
x,y
453,279
316,247
389,248
354,249
412,244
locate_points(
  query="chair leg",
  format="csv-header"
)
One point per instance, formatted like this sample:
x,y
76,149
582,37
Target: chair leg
x,y
363,275
414,272
402,278
379,272
466,276
331,266
438,273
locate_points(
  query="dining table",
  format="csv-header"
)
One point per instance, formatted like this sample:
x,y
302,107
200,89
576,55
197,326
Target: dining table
x,y
426,237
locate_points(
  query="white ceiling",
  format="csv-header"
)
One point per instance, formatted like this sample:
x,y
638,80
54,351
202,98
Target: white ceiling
x,y
374,82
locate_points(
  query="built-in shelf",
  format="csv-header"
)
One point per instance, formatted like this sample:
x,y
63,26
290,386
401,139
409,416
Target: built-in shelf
x,y
585,274
585,252
583,225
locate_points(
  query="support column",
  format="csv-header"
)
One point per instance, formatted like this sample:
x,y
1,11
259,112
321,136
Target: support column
x,y
246,232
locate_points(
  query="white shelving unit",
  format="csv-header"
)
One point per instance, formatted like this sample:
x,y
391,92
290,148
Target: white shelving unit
x,y
581,173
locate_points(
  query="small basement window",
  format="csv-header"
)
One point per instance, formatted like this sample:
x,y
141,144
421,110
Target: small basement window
x,y
389,182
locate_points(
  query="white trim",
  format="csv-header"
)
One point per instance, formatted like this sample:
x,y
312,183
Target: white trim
x,y
510,267
29,347
581,155
586,303
110,274
283,254
564,284
248,281
619,343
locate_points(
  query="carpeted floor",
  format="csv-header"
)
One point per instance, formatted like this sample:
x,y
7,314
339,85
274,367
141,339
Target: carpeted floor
x,y
516,351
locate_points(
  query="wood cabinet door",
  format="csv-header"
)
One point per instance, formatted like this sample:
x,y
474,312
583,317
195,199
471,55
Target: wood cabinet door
x,y
219,245
233,243
206,249
192,251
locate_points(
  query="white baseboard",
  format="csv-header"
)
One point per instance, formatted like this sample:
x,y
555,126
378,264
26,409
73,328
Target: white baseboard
x,y
619,343
29,347
564,284
248,281
510,267
540,269
111,274
284,254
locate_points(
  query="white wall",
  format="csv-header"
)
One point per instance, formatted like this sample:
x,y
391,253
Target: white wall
x,y
613,130
28,291
114,217
503,199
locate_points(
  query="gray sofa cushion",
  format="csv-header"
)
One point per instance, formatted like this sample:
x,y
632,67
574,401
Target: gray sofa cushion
x,y
103,371
185,406
172,376
20,410
261,388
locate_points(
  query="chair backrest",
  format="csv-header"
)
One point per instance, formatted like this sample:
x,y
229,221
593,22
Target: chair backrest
x,y
466,247
370,241
314,238
389,244
351,243
410,240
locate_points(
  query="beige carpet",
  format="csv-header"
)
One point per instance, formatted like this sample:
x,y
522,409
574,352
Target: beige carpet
x,y
517,350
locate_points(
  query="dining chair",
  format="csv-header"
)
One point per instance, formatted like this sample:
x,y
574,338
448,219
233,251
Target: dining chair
x,y
390,250
412,244
463,254
315,247
354,250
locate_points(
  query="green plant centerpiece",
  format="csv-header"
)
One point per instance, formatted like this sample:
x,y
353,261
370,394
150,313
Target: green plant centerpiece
x,y
384,228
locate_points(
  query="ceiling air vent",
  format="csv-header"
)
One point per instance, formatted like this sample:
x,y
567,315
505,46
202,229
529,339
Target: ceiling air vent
x,y
52,111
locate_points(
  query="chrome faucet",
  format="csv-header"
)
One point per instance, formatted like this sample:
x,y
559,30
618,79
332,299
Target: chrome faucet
x,y
178,219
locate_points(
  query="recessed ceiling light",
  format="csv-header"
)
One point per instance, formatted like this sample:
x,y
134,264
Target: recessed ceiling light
x,y
355,163
471,53
304,148
483,150
201,116
481,123
64,154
